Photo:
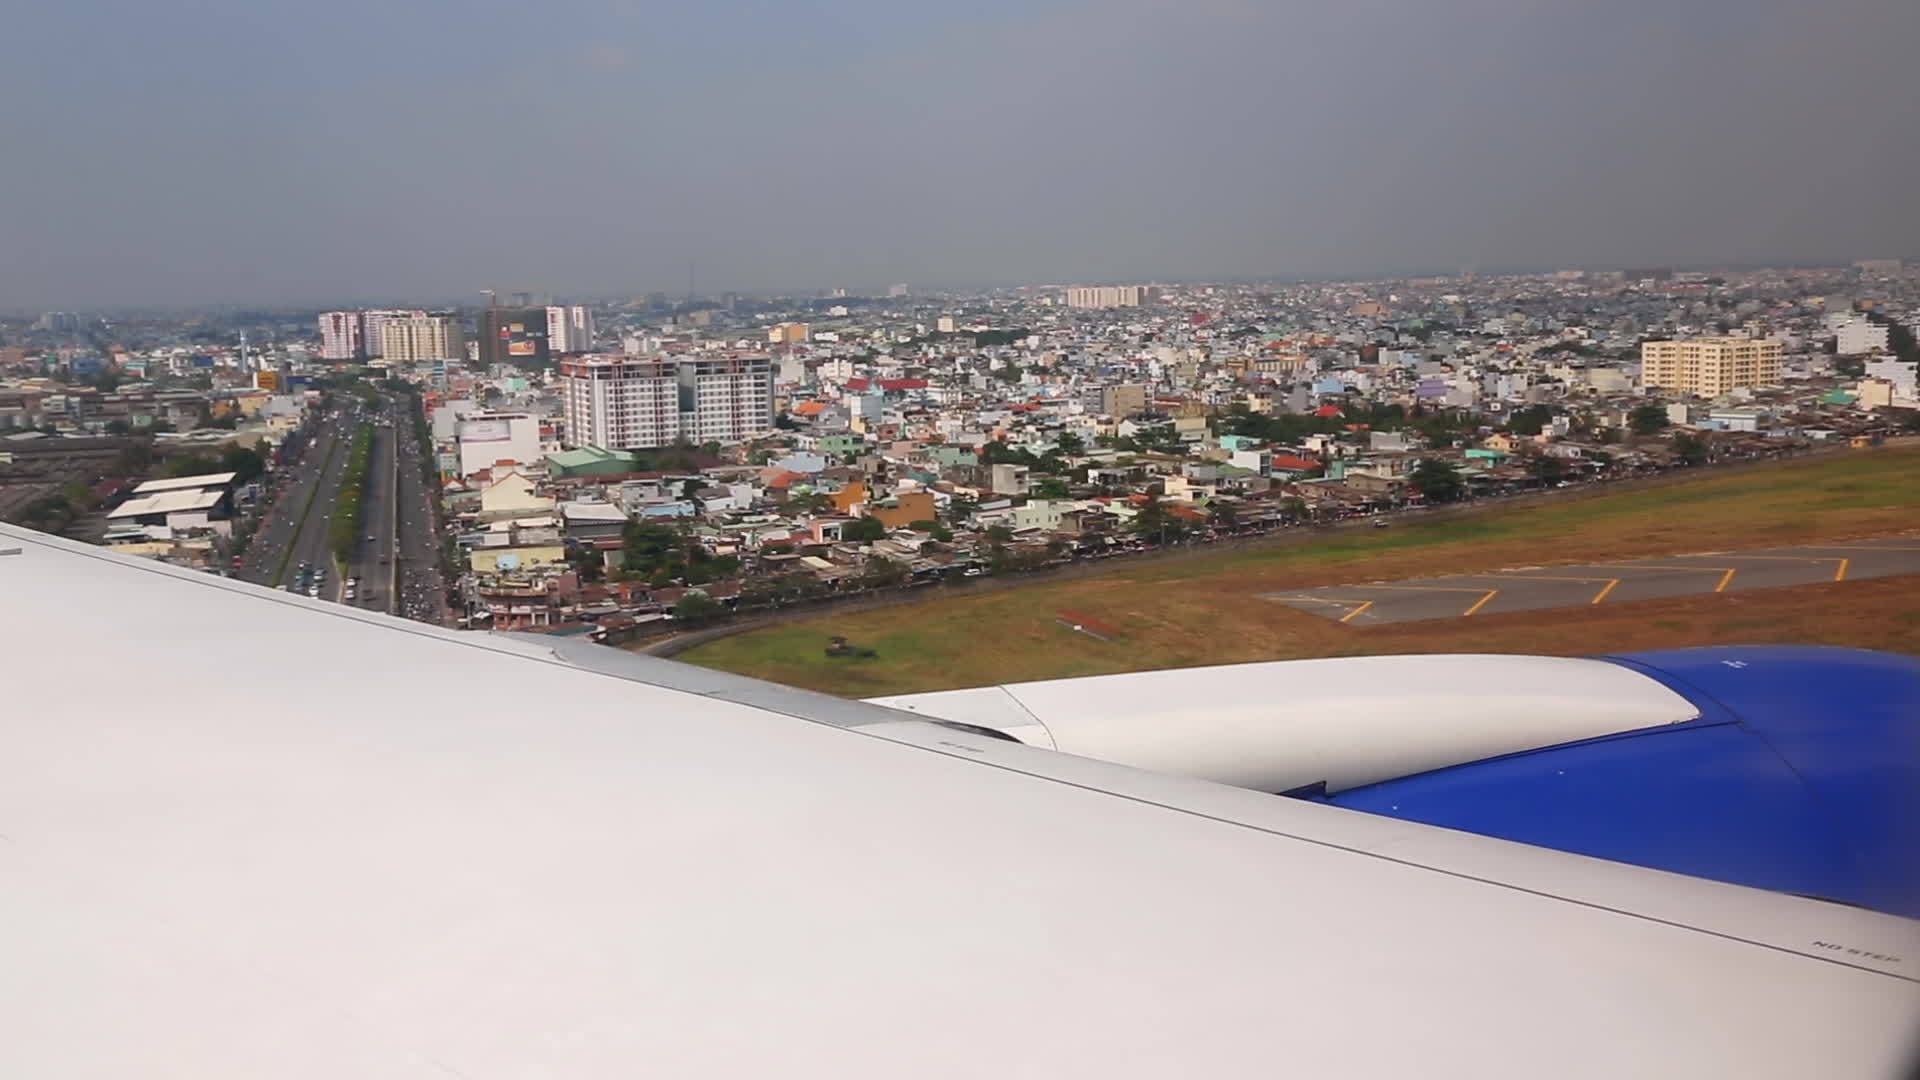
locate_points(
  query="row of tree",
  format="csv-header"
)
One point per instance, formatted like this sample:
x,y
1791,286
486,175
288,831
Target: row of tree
x,y
246,463
1438,481
662,554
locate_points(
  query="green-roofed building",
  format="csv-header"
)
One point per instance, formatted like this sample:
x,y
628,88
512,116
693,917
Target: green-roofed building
x,y
588,461
1837,396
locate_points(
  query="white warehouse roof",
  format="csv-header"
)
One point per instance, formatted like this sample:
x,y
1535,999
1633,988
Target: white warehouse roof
x,y
167,502
185,483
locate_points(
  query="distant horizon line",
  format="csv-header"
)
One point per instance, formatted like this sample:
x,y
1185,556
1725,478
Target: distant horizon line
x,y
816,292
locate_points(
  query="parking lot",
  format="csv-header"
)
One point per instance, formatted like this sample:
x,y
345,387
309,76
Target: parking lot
x,y
1530,588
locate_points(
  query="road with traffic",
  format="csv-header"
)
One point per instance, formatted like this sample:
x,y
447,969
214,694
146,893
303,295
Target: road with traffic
x,y
372,565
313,546
423,592
395,558
266,554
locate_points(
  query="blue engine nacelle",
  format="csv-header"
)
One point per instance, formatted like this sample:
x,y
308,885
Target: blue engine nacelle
x,y
1801,775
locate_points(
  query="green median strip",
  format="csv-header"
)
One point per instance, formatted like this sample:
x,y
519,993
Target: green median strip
x,y
351,509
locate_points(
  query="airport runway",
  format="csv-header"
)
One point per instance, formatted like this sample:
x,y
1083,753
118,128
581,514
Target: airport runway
x,y
1534,588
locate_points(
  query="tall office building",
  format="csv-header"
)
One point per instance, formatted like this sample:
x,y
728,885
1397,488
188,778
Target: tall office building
x,y
569,329
1111,296
343,335
408,337
1709,367
58,322
620,402
513,335
373,326
725,398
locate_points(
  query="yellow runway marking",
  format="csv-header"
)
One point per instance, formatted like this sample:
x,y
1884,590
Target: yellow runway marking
x,y
1599,596
1364,605
1839,570
1418,588
1478,604
1865,547
1726,578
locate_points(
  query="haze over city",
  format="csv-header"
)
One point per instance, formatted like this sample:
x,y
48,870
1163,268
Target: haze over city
x,y
293,152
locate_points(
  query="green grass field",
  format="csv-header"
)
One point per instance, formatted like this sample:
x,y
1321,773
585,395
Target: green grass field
x,y
1205,609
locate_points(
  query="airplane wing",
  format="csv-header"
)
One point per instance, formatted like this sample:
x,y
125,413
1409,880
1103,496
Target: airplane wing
x,y
246,834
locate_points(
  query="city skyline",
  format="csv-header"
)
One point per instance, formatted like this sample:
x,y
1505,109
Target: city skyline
x,y
963,291
236,156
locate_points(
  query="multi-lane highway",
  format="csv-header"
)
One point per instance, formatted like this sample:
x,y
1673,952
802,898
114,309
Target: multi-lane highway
x,y
371,564
395,558
313,546
423,592
315,479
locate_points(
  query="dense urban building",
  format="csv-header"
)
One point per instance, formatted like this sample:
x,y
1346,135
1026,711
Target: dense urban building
x,y
374,328
1857,336
1707,367
1122,399
1110,296
514,335
413,336
725,399
622,402
1030,431
569,329
489,439
343,335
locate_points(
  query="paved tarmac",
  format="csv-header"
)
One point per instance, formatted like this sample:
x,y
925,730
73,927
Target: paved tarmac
x,y
1531,588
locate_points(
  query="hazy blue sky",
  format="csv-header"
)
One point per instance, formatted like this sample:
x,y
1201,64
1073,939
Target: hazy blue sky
x,y
185,151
